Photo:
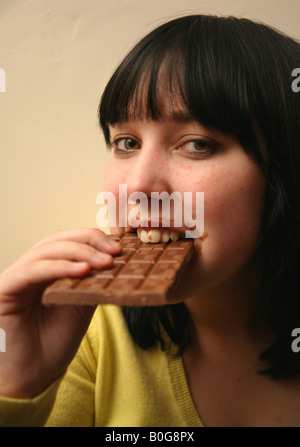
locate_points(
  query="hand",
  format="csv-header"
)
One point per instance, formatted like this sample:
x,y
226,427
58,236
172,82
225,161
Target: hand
x,y
41,341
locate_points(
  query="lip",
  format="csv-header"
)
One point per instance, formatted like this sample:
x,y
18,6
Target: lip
x,y
162,230
130,229
157,224
148,225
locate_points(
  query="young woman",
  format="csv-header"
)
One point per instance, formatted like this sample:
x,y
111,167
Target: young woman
x,y
200,104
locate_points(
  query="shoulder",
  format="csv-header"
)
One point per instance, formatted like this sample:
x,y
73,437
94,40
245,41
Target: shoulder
x,y
108,330
107,319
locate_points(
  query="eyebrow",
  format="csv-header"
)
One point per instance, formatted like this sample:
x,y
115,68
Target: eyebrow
x,y
177,116
180,116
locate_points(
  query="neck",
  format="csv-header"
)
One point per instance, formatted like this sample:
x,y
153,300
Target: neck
x,y
226,316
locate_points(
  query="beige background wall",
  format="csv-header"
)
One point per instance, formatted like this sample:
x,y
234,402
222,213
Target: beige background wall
x,y
57,56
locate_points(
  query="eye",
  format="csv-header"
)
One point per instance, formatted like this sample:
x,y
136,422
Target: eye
x,y
200,147
125,144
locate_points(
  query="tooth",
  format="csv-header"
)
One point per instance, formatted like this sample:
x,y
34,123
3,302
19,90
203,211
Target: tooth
x,y
154,236
143,236
174,236
165,237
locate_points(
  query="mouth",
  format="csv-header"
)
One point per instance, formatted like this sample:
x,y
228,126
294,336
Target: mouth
x,y
156,235
157,231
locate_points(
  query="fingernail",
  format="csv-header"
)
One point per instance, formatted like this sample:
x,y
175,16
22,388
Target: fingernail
x,y
114,243
104,256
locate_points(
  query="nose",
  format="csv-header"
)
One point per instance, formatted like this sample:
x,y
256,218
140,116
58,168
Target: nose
x,y
149,172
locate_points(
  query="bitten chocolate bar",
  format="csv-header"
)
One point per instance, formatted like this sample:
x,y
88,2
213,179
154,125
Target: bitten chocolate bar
x,y
144,274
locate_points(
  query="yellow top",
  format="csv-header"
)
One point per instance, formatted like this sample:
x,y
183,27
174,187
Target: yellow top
x,y
110,383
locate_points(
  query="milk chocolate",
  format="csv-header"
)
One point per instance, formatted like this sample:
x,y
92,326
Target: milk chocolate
x,y
144,274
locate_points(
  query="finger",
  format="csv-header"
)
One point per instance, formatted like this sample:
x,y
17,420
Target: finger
x,y
90,236
71,251
18,281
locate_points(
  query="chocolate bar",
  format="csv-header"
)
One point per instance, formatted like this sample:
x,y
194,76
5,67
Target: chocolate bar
x,y
144,274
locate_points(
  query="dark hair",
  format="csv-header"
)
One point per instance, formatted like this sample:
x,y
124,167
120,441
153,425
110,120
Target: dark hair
x,y
233,75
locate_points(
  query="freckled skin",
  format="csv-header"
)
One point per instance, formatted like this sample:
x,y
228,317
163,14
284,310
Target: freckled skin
x,y
232,183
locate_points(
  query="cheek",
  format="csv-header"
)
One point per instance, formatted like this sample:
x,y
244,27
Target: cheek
x,y
233,216
236,205
116,174
113,176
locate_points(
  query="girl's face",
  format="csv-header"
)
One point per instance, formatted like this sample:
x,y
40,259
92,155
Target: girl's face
x,y
179,155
